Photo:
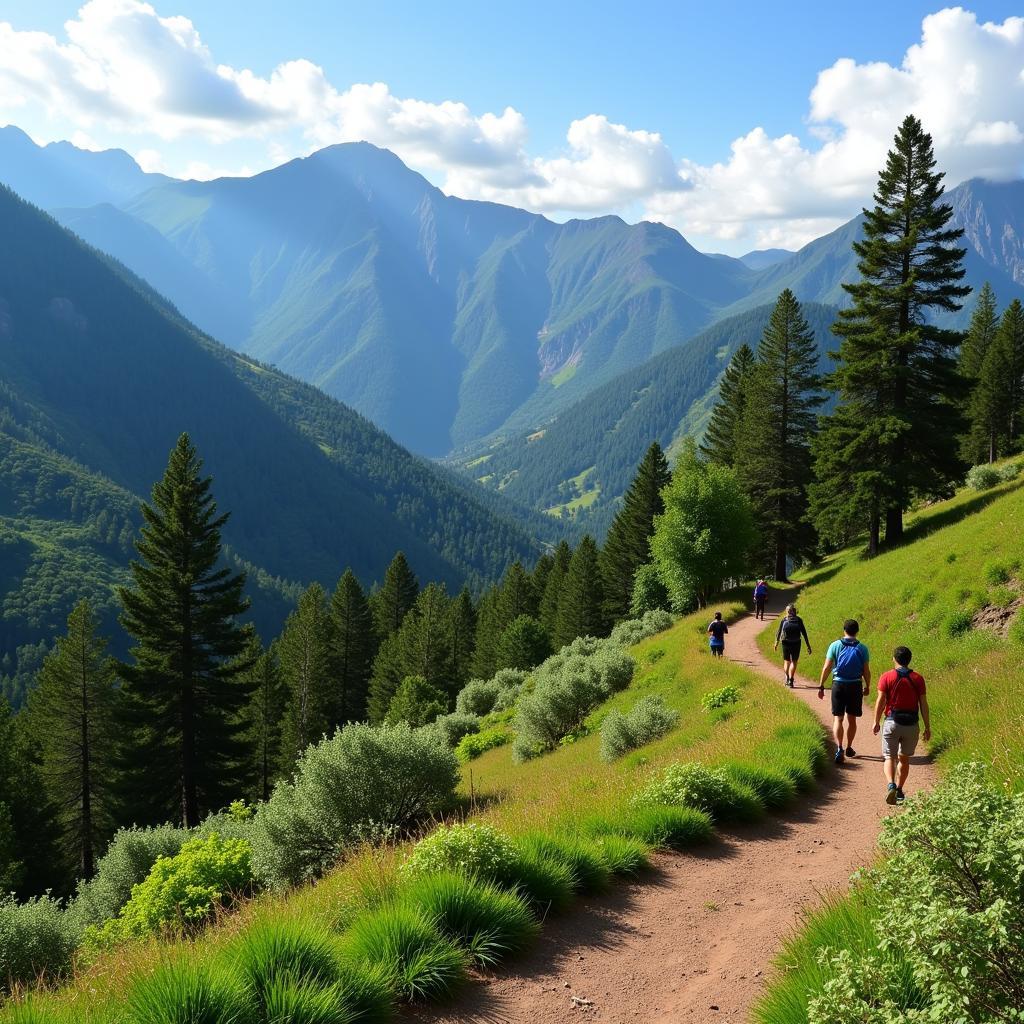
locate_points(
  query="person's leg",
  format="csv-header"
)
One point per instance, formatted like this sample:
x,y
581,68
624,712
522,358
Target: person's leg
x,y
837,731
904,771
851,730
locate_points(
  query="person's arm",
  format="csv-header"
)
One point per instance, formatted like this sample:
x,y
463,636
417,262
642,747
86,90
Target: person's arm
x,y
925,714
825,669
879,708
725,628
807,639
778,633
866,676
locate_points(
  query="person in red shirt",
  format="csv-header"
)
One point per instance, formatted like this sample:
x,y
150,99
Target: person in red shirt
x,y
902,700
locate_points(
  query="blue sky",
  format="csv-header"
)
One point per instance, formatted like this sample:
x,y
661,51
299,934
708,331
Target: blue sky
x,y
659,94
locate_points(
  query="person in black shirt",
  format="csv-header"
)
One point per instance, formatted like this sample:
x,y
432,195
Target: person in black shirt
x,y
791,629
717,631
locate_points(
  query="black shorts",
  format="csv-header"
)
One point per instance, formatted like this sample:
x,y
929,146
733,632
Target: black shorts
x,y
791,650
847,698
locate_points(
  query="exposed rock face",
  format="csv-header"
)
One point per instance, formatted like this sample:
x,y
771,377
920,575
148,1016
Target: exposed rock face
x,y
992,216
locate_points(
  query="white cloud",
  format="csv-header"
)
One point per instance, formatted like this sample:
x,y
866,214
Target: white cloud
x,y
122,69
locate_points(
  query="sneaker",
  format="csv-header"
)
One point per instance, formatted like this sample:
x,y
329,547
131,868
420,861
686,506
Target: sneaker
x,y
838,755
900,796
850,752
892,794
791,684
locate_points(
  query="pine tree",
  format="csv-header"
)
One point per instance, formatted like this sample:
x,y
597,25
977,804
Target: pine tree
x,y
998,395
580,610
517,596
353,646
540,574
488,632
385,678
627,546
425,645
184,698
553,587
397,595
265,716
462,634
773,441
979,442
304,650
719,444
897,379
71,716
523,645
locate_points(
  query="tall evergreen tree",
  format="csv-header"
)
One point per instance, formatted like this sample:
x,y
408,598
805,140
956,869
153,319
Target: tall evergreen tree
x,y
553,587
385,677
627,546
523,645
353,646
265,716
998,394
71,717
397,595
773,441
488,633
182,690
540,574
979,441
425,639
897,377
462,634
581,608
517,596
304,649
719,444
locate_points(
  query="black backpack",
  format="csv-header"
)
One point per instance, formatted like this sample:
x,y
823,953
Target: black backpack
x,y
791,629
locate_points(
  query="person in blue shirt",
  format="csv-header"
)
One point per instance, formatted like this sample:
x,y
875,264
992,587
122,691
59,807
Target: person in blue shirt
x,y
847,659
760,596
716,632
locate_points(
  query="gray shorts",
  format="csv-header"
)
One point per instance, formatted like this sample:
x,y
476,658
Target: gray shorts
x,y
898,739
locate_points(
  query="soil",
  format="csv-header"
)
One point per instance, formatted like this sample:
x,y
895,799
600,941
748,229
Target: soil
x,y
694,939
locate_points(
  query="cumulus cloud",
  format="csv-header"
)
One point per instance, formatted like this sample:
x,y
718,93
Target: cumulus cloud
x,y
124,69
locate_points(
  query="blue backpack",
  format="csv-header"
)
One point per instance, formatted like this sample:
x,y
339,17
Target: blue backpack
x,y
850,662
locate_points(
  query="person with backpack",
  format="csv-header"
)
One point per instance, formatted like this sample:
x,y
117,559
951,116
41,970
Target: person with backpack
x,y
791,629
760,596
901,697
717,631
847,660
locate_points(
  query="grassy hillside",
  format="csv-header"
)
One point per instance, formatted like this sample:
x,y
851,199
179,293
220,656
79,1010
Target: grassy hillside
x,y
552,795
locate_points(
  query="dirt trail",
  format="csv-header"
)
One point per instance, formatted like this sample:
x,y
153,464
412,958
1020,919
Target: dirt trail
x,y
694,940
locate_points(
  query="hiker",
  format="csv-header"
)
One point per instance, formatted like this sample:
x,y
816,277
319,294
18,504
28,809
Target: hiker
x,y
847,660
791,629
901,696
717,631
760,596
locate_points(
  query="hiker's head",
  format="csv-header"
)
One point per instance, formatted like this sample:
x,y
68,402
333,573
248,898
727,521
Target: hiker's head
x,y
851,627
791,610
902,656
718,616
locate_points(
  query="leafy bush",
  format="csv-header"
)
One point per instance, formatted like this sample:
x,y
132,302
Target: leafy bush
x,y
588,870
649,593
632,631
648,719
391,776
473,849
710,789
954,867
957,623
720,698
419,961
186,993
36,938
655,825
488,922
477,697
981,478
523,644
128,860
450,729
417,702
475,744
181,891
1009,472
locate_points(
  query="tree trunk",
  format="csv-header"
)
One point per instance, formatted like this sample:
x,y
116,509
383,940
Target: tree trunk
x,y
874,532
893,525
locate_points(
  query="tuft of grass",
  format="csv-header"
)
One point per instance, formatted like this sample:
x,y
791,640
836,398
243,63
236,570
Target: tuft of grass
x,y
186,993
624,856
544,882
589,872
488,922
655,825
420,963
288,1003
775,789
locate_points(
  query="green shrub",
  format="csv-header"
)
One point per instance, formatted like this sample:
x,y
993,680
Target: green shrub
x,y
523,644
419,962
181,891
981,478
488,922
622,855
475,744
390,776
632,631
287,1003
720,698
1016,631
545,882
709,789
997,573
657,826
477,697
776,789
648,719
588,870
451,729
1009,472
649,593
186,993
417,702
472,849
957,623
128,860
36,937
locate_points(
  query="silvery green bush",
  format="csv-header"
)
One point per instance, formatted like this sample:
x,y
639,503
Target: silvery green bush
x,y
632,631
477,697
388,776
450,729
36,937
648,719
981,478
471,849
1009,472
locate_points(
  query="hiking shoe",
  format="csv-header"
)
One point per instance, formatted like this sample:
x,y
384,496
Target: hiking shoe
x,y
838,755
900,796
792,682
850,752
891,795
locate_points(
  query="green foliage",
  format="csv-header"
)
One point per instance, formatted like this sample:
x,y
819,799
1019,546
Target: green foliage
x,y
523,644
590,873
957,623
648,719
391,776
649,593
419,962
705,533
353,643
581,600
280,950
264,716
489,923
624,856
997,573
982,478
730,411
416,702
775,788
395,599
186,993
477,697
472,849
182,891
1009,472
658,826
453,728
720,698
707,788
546,882
631,631
36,937
997,400
475,744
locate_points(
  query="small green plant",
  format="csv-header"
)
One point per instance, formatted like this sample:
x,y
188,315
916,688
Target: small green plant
x,y
708,789
545,882
776,789
589,872
957,623
648,719
452,728
720,698
475,744
656,825
997,573
186,993
622,855
472,849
